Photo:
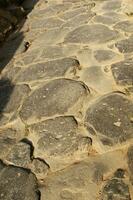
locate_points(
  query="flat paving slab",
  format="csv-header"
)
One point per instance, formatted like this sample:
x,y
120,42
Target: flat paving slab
x,y
66,103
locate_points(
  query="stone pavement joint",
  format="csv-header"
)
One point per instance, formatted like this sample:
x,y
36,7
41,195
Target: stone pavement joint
x,y
66,103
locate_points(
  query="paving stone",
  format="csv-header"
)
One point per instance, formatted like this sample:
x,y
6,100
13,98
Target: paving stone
x,y
116,188
107,19
95,33
17,183
79,20
12,96
58,51
46,70
8,138
126,45
51,10
81,181
112,5
20,155
104,55
57,141
126,26
123,72
54,98
110,118
51,37
39,168
72,13
48,23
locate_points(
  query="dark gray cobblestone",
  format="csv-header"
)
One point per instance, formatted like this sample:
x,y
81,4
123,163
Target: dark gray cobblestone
x,y
66,102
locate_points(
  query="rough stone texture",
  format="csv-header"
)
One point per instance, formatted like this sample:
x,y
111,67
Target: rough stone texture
x,y
8,137
96,33
123,72
110,118
82,180
116,188
126,26
17,183
56,97
66,100
47,70
103,55
59,140
20,155
39,168
125,46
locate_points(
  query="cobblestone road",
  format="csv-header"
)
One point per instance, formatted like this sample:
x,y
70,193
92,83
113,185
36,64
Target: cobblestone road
x,y
66,128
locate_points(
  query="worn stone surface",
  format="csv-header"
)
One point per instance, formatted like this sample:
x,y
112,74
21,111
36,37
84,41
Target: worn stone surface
x,y
47,70
126,26
123,72
104,55
110,117
82,180
66,101
20,155
54,98
59,140
126,45
8,137
17,183
96,33
39,168
116,188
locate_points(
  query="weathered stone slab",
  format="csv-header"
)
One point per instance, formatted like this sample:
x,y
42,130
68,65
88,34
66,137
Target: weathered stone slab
x,y
79,20
110,119
17,183
54,98
95,33
58,141
8,138
72,13
39,168
123,72
51,69
125,46
112,5
82,181
48,23
116,188
20,155
126,26
104,55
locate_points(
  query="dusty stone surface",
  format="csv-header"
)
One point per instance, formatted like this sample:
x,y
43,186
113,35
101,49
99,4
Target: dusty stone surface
x,y
107,118
54,98
20,155
58,141
96,33
125,46
17,183
123,72
51,69
66,102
